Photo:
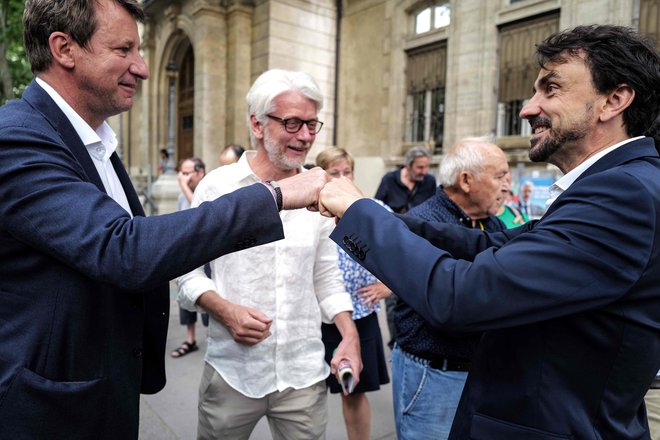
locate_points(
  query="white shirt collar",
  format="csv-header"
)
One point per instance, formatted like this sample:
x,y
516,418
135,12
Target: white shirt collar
x,y
569,178
100,143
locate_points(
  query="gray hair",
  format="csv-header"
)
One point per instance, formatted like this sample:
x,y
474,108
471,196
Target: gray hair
x,y
414,153
272,83
466,155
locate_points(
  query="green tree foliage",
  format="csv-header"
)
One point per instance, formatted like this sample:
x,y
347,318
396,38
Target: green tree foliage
x,y
15,72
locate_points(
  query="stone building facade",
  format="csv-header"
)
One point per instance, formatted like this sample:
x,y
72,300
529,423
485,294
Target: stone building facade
x,y
395,73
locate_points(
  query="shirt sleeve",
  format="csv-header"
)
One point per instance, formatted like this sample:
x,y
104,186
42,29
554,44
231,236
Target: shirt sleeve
x,y
328,282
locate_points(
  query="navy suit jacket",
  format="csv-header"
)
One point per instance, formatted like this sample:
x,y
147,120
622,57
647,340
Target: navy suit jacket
x,y
84,296
570,303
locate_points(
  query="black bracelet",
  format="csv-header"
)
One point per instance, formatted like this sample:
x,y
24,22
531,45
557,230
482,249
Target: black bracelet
x,y
278,193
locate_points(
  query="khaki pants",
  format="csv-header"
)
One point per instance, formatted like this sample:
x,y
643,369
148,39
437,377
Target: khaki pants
x,y
652,400
224,413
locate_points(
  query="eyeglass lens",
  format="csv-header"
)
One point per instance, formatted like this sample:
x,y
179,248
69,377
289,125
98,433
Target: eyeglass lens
x,y
294,125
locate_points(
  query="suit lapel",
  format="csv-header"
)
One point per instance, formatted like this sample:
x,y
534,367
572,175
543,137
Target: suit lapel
x,y
634,150
43,103
131,195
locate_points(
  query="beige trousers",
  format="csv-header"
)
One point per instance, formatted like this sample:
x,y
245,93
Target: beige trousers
x,y
652,400
225,413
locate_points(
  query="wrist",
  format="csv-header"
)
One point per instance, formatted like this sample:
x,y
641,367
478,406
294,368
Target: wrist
x,y
276,191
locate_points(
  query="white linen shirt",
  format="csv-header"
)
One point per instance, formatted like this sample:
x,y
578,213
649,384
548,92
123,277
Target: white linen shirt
x,y
295,281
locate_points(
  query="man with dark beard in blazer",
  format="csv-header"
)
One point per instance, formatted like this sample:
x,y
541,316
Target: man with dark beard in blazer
x,y
570,303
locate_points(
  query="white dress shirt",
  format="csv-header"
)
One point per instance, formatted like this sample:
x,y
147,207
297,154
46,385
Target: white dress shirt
x,y
561,185
295,281
100,145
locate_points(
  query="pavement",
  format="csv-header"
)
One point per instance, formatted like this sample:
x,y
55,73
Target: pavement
x,y
172,413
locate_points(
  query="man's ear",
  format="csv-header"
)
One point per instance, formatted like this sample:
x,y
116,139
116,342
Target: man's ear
x,y
616,102
256,127
465,181
61,49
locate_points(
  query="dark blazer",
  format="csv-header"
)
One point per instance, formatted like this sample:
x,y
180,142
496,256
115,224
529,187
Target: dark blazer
x,y
570,303
84,296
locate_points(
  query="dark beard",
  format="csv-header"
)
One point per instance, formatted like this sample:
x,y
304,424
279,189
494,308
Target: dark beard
x,y
543,152
555,141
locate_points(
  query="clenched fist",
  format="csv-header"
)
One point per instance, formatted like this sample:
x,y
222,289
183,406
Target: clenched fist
x,y
302,190
337,196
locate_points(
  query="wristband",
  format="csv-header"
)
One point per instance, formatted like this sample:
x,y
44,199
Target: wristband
x,y
278,193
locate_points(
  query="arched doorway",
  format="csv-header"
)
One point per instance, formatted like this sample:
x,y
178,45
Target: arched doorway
x,y
186,105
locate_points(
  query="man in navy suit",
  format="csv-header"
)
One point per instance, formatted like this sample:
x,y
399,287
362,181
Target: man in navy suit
x,y
570,303
84,298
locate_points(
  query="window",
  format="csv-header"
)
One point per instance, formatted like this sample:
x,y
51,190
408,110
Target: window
x,y
425,74
433,17
509,123
518,69
649,19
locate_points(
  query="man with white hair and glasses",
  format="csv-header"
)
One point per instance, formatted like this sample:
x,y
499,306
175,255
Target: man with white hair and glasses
x,y
265,356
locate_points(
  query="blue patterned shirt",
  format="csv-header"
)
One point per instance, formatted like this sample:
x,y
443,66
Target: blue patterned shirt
x,y
356,277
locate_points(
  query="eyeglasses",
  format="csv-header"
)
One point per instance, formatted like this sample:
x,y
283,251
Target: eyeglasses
x,y
293,125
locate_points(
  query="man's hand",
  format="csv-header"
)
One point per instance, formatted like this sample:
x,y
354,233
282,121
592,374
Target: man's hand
x,y
373,293
302,190
349,347
247,326
337,196
184,179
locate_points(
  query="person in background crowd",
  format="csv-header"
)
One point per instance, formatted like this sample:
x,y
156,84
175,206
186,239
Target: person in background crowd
x,y
429,366
508,213
409,185
525,202
231,153
265,356
401,190
366,292
164,163
191,172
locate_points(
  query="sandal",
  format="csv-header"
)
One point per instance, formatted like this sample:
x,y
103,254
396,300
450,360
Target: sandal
x,y
184,349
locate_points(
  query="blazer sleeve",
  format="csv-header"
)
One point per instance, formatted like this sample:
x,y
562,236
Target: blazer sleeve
x,y
588,251
461,242
49,204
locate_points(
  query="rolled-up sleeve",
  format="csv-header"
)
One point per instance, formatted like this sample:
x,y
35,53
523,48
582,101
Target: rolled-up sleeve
x,y
191,286
328,282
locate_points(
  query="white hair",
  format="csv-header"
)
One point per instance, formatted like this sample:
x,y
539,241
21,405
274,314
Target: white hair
x,y
272,83
466,155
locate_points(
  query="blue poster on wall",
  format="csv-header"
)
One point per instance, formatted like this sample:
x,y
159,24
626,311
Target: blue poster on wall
x,y
533,193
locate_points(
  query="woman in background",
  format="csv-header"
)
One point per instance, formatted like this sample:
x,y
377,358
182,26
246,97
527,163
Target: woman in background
x,y
366,292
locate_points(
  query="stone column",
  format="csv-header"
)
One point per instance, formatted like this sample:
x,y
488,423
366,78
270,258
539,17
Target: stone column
x,y
210,42
239,55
